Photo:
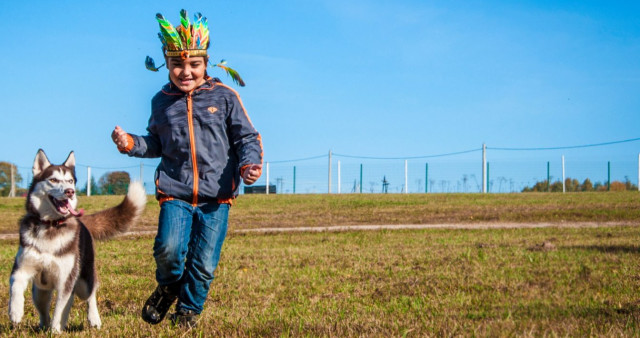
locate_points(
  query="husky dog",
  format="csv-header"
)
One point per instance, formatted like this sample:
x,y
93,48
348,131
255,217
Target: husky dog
x,y
56,244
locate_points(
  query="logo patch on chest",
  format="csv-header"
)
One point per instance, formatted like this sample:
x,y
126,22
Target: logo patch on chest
x,y
212,109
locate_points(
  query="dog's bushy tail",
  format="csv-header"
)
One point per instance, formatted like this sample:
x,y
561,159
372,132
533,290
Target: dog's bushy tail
x,y
110,222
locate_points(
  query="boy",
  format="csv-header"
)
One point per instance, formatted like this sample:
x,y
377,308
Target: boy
x,y
200,129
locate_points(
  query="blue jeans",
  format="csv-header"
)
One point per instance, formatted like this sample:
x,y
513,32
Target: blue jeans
x,y
187,249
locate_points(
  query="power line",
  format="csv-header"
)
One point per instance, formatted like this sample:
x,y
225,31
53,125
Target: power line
x,y
105,168
300,159
409,157
568,147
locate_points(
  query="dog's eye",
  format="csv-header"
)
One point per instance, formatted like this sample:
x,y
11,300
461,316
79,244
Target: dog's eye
x,y
70,181
54,180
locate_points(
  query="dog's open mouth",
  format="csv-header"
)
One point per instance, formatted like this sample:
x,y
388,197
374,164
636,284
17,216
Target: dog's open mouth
x,y
64,207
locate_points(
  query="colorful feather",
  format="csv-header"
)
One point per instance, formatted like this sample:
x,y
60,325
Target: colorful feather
x,y
170,35
200,32
231,72
151,65
185,29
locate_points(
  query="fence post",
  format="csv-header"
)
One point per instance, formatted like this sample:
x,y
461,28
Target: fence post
x,y
294,179
608,175
329,190
563,177
406,177
88,181
339,180
12,192
267,186
548,177
484,168
426,177
488,176
361,178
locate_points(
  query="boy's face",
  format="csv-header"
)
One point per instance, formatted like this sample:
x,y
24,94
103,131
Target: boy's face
x,y
187,74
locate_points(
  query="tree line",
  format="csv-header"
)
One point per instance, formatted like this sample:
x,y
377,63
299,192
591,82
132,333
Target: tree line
x,y
573,185
111,183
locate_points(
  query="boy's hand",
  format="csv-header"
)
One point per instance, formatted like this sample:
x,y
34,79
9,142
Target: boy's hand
x,y
252,173
119,137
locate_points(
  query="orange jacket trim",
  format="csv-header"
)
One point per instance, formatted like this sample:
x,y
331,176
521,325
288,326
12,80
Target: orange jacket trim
x,y
130,144
192,146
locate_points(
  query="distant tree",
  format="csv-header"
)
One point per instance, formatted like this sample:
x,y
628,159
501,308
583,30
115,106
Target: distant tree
x,y
556,186
5,178
618,186
586,185
629,186
573,185
95,189
114,183
599,187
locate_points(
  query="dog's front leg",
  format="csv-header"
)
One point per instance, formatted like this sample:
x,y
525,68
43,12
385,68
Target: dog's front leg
x,y
64,300
42,301
18,284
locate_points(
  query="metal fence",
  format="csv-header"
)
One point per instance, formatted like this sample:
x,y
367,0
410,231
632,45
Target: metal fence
x,y
485,169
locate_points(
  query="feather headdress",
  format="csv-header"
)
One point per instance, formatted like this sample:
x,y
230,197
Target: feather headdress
x,y
187,40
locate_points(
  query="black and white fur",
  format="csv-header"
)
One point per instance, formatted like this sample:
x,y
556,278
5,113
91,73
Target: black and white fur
x,y
56,244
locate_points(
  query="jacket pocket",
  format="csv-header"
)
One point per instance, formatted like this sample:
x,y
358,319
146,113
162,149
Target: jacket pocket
x,y
173,187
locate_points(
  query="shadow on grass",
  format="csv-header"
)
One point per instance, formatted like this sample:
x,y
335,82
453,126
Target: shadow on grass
x,y
607,248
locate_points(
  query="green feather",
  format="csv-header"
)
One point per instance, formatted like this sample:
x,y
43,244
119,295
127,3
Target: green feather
x,y
231,72
170,35
185,31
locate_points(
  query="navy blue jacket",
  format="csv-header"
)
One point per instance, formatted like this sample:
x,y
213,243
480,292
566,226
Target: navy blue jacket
x,y
203,138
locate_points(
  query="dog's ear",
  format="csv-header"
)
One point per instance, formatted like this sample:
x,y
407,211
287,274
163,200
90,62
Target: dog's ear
x,y
41,163
71,162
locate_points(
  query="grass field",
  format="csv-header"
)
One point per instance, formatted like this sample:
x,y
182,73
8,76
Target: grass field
x,y
260,211
500,282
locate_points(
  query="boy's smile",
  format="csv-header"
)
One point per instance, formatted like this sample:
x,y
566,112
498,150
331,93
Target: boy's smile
x,y
187,74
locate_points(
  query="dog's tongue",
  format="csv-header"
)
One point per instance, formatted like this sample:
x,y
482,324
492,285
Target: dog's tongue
x,y
73,211
78,213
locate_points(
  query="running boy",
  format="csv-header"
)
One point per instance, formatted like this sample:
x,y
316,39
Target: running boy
x,y
204,137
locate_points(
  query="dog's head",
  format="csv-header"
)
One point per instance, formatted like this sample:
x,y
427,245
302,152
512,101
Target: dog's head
x,y
52,194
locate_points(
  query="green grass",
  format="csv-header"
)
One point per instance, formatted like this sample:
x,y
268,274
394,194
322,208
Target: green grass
x,y
258,211
500,282
384,283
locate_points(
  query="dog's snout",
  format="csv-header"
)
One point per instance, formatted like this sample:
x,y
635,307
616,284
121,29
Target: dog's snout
x,y
69,192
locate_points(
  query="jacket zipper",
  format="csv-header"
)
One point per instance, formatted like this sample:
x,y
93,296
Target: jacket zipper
x,y
192,141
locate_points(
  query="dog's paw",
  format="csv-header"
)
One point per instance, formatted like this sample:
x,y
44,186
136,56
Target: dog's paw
x,y
56,329
15,315
95,323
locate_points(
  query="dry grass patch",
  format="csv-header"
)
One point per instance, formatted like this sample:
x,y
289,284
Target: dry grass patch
x,y
385,283
262,211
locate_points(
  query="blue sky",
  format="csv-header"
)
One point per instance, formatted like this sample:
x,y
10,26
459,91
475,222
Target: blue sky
x,y
366,77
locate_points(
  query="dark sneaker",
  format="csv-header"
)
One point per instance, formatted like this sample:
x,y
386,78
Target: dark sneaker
x,y
185,318
158,304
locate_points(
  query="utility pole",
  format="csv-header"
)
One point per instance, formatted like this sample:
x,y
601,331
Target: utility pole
x,y
406,177
12,192
339,178
267,185
484,168
329,190
564,189
88,181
